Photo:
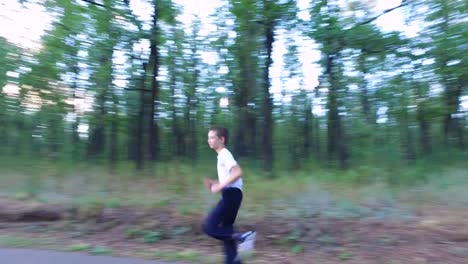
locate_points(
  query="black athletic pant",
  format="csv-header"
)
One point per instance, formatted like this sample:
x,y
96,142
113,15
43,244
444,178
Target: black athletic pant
x,y
220,222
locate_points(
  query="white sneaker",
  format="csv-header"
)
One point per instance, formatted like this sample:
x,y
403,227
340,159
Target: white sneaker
x,y
248,243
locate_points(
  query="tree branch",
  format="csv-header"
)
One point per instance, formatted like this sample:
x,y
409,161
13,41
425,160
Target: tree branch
x,y
126,2
403,3
94,3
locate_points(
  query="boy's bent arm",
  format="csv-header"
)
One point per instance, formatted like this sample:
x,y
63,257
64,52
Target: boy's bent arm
x,y
236,173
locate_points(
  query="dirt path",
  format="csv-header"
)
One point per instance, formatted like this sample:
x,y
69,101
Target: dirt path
x,y
31,256
431,235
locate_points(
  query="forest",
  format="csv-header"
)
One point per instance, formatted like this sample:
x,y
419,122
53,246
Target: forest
x,y
117,97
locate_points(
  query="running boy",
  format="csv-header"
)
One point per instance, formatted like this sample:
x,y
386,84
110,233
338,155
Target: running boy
x,y
220,222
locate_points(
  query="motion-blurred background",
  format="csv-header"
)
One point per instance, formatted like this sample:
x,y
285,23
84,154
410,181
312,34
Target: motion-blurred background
x,y
108,102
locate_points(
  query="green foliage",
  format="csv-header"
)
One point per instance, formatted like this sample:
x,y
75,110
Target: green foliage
x,y
162,203
18,242
100,251
113,203
191,255
79,247
135,232
345,256
185,255
180,231
293,237
22,196
152,237
385,100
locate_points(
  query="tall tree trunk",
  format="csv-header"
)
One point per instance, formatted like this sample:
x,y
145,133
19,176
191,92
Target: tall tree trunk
x,y
268,101
187,126
461,132
240,144
113,155
316,138
140,135
75,139
364,96
424,129
452,101
194,141
177,132
4,139
307,131
245,99
191,116
75,136
452,91
366,108
103,81
407,138
241,99
154,62
97,134
336,145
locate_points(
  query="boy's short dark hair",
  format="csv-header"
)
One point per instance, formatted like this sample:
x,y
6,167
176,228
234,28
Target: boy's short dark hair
x,y
221,132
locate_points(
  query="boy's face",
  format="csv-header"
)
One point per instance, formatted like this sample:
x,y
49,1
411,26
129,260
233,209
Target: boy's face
x,y
214,141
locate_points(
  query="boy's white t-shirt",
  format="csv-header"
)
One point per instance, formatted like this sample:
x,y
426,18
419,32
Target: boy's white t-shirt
x,y
225,163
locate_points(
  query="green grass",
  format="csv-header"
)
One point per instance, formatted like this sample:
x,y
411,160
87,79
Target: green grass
x,y
100,251
23,242
345,256
363,191
85,247
79,247
152,237
318,190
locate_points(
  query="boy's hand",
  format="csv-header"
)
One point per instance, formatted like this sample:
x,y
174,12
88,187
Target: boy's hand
x,y
208,182
216,187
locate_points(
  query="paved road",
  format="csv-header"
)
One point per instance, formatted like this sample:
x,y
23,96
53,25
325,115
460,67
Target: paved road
x,y
32,256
